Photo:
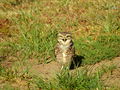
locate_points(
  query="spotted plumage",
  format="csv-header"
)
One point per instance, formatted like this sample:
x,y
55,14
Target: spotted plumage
x,y
64,49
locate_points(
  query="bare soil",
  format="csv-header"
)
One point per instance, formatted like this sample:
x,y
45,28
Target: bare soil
x,y
46,71
111,78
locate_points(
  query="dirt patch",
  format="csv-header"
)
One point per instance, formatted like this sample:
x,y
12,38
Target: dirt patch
x,y
46,71
110,78
103,64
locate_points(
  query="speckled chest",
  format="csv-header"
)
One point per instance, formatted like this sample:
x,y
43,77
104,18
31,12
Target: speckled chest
x,y
64,53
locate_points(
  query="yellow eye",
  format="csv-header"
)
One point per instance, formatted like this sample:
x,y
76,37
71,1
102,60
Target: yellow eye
x,y
68,36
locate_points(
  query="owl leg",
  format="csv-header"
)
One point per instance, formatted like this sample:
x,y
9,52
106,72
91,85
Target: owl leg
x,y
62,67
65,67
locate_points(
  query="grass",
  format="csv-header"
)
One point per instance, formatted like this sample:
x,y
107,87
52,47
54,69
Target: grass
x,y
103,48
28,30
80,80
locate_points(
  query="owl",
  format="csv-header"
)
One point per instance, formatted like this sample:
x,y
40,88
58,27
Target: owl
x,y
64,49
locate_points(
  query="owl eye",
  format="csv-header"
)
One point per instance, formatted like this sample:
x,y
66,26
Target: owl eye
x,y
68,36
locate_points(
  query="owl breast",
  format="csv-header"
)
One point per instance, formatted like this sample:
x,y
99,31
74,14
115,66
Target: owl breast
x,y
64,57
64,48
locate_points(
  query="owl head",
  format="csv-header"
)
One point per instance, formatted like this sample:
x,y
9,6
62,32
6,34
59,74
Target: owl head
x,y
64,38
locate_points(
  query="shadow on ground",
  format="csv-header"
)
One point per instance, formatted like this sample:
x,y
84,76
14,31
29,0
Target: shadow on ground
x,y
76,62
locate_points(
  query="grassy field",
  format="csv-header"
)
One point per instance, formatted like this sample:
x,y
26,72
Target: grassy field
x,y
28,30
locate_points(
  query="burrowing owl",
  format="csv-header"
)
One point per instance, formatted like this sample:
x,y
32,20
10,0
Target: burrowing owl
x,y
64,50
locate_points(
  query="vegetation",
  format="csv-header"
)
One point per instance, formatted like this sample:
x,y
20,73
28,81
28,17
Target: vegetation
x,y
28,30
79,81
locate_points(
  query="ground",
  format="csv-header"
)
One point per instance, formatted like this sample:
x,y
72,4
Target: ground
x,y
28,34
49,71
109,78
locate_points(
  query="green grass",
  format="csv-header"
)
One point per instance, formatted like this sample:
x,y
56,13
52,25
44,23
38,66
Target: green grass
x,y
106,47
29,29
67,81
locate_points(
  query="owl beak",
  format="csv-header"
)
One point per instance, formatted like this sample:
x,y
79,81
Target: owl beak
x,y
64,39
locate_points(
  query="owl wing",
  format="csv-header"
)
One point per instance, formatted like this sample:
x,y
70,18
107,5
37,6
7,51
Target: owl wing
x,y
72,50
57,50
